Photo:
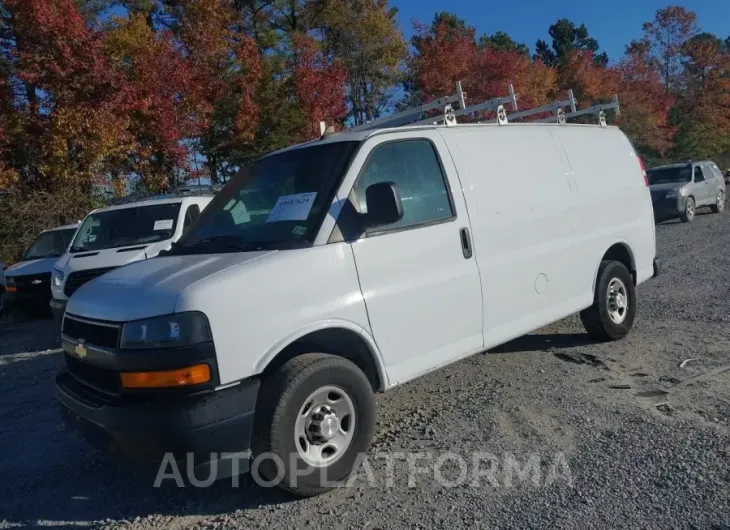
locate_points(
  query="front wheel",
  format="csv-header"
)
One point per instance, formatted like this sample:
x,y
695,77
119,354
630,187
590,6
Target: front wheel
x,y
688,215
314,419
614,304
719,205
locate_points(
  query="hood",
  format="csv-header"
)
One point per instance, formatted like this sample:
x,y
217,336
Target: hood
x,y
668,186
34,266
98,259
149,288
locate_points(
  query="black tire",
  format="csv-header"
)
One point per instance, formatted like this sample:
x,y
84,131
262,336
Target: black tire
x,y
688,215
719,205
596,319
280,399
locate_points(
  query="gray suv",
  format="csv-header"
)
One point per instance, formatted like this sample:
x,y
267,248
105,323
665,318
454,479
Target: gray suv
x,y
677,190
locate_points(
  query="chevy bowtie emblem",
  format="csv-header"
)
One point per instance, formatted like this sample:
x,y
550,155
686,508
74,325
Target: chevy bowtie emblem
x,y
80,349
36,282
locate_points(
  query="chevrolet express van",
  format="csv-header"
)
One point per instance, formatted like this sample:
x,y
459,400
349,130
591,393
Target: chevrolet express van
x,y
27,283
349,265
114,236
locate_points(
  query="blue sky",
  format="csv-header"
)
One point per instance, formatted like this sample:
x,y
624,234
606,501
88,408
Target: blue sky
x,y
613,23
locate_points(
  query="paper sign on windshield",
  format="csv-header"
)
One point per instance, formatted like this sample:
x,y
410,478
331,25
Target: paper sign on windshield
x,y
292,207
163,224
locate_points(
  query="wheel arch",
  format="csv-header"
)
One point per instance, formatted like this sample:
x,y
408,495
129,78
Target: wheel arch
x,y
620,251
341,338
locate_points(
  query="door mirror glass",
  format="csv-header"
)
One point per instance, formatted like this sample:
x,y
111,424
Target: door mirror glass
x,y
384,204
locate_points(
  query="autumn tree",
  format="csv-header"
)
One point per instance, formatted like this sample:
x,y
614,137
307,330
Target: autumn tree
x,y
363,35
703,108
645,105
447,52
567,38
666,35
226,65
319,86
444,53
64,124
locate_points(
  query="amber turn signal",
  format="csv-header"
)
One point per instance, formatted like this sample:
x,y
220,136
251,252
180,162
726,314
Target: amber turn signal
x,y
192,375
11,289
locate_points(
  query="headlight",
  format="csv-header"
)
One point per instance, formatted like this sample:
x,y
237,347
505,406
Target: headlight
x,y
182,329
57,277
673,194
9,281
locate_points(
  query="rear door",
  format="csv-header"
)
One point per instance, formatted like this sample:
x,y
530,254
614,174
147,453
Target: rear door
x,y
714,179
420,284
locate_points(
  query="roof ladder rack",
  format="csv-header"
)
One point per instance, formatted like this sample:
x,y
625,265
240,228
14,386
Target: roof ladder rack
x,y
555,106
409,116
597,110
496,104
414,116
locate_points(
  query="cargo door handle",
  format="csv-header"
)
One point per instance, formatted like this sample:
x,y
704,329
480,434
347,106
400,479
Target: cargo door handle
x,y
465,242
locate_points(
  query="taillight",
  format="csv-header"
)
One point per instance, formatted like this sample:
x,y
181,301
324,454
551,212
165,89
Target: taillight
x,y
643,171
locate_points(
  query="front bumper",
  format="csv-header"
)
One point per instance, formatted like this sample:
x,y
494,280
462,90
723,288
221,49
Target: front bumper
x,y
58,307
25,301
197,429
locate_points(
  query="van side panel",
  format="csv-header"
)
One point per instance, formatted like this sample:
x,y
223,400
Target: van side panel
x,y
614,204
520,200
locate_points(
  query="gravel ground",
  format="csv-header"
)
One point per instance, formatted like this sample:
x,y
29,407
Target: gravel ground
x,y
619,434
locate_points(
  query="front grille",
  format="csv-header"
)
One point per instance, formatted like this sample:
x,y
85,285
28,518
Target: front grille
x,y
106,381
79,278
96,333
33,283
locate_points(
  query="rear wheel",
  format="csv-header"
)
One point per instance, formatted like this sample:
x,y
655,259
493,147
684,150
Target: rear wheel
x,y
688,215
315,416
614,304
719,205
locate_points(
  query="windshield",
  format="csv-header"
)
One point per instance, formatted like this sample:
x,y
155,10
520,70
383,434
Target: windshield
x,y
666,175
139,225
277,201
50,244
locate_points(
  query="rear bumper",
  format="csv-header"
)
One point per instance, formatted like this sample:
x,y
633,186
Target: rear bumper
x,y
668,208
657,267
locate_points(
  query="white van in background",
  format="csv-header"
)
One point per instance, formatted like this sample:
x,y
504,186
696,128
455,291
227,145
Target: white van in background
x,y
326,272
114,236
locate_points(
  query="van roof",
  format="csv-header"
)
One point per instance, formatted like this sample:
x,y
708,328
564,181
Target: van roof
x,y
154,200
64,227
684,164
359,136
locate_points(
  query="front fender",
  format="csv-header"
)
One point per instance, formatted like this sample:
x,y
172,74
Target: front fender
x,y
261,364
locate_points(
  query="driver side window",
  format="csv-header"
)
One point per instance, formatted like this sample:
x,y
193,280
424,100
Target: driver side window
x,y
416,171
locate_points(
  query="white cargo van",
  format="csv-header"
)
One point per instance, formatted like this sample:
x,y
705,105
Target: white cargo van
x,y
133,230
346,266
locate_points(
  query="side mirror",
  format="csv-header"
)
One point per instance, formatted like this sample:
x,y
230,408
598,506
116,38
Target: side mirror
x,y
383,203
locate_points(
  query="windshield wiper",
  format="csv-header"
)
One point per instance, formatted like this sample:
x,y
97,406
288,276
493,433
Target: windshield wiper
x,y
228,242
